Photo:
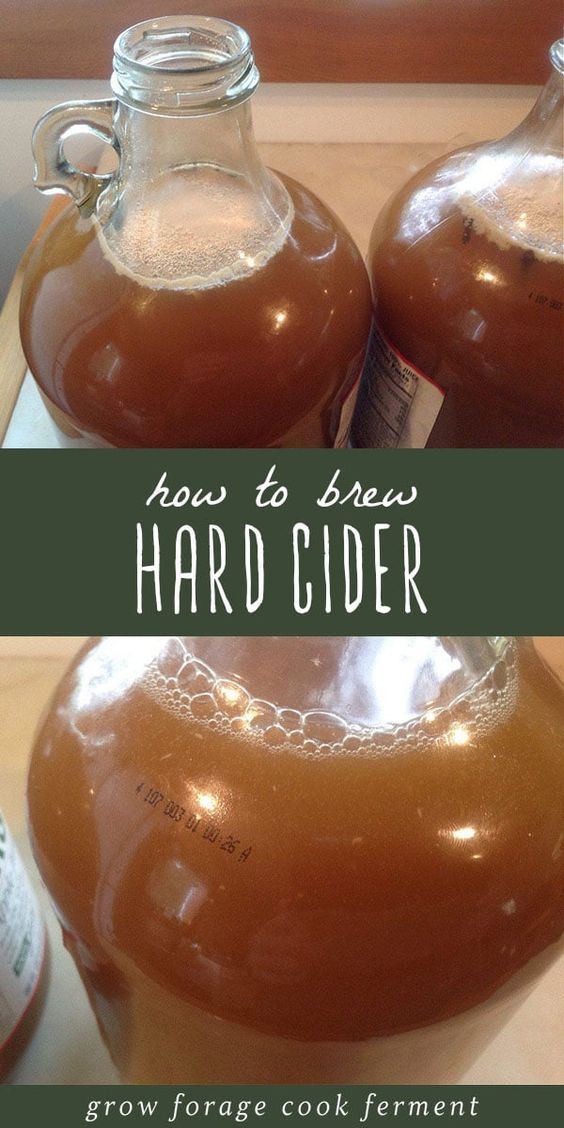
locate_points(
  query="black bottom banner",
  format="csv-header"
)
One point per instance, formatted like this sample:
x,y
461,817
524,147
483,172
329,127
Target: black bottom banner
x,y
281,1105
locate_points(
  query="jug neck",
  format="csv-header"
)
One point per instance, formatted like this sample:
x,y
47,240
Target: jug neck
x,y
191,203
152,144
542,131
183,87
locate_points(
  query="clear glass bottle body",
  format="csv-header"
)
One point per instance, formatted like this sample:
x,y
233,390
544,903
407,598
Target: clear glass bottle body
x,y
304,860
468,285
194,298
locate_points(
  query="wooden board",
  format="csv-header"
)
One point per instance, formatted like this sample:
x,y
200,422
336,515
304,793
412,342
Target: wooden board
x,y
478,41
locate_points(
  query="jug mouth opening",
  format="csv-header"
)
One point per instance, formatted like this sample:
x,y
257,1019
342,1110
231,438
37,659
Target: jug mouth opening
x,y
183,65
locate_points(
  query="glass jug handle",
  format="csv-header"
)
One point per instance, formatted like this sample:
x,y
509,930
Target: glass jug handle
x,y
53,172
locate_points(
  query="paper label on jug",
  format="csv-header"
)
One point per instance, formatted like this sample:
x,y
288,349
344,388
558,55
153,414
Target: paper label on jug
x,y
342,439
22,938
397,404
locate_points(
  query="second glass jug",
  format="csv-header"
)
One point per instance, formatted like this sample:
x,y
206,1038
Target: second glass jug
x,y
192,298
466,269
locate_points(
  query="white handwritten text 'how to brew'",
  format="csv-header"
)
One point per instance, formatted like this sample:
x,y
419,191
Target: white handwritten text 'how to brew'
x,y
205,551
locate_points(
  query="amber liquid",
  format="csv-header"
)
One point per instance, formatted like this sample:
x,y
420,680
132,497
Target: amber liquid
x,y
479,314
301,893
262,360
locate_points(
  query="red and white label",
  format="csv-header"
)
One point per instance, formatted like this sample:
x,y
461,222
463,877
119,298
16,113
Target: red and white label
x,y
397,405
22,938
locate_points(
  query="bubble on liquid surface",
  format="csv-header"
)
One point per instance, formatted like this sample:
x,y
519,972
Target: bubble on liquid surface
x,y
192,229
200,696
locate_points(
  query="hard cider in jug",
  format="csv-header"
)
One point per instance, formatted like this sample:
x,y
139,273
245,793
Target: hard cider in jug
x,y
303,859
468,282
194,298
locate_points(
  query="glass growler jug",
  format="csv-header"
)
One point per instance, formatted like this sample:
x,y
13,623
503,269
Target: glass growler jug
x,y
23,955
303,859
467,276
192,298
